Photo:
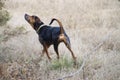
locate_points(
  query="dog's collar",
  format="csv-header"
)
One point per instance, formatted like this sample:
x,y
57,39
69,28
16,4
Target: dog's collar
x,y
39,28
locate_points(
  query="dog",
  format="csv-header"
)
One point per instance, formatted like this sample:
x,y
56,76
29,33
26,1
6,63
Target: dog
x,y
49,35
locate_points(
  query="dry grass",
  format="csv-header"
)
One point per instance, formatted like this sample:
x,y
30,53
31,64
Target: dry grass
x,y
86,22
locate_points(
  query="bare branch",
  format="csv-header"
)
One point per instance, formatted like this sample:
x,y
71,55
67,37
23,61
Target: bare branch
x,y
86,57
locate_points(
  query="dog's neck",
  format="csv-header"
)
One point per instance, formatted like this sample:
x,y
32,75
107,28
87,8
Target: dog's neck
x,y
37,25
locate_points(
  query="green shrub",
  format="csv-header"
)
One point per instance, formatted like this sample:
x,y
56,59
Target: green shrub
x,y
1,5
4,17
63,62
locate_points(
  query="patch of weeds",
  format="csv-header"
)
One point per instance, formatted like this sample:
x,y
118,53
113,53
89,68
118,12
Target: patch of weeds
x,y
62,63
8,33
1,37
15,31
4,54
22,28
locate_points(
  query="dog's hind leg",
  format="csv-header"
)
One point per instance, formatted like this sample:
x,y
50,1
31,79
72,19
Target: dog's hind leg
x,y
56,50
68,45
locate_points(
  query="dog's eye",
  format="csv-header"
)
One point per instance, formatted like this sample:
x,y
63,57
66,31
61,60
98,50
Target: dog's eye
x,y
33,16
36,17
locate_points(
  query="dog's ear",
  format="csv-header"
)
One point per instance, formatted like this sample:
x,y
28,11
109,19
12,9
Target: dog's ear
x,y
37,20
37,24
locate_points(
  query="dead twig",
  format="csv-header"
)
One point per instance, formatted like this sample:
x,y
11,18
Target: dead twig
x,y
86,57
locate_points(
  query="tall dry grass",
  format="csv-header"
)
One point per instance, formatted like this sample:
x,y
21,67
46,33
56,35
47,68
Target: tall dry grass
x,y
86,22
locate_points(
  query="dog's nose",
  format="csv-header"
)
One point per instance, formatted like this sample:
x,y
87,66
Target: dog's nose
x,y
26,16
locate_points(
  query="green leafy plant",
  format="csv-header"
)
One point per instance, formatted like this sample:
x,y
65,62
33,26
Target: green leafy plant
x,y
63,62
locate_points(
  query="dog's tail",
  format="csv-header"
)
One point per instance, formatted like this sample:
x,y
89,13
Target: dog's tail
x,y
60,24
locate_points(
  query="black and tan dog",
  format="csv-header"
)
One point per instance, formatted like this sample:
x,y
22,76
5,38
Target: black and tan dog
x,y
49,35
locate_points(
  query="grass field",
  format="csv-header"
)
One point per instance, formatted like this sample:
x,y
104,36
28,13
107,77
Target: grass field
x,y
88,23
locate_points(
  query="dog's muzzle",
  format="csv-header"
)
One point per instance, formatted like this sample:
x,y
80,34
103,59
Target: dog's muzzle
x,y
26,17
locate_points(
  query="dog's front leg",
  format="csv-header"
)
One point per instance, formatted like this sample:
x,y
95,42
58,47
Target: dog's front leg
x,y
46,50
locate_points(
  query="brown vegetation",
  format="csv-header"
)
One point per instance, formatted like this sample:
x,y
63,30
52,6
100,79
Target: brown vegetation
x,y
86,22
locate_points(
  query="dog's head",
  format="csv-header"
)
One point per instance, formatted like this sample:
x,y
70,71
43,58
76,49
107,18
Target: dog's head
x,y
34,21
